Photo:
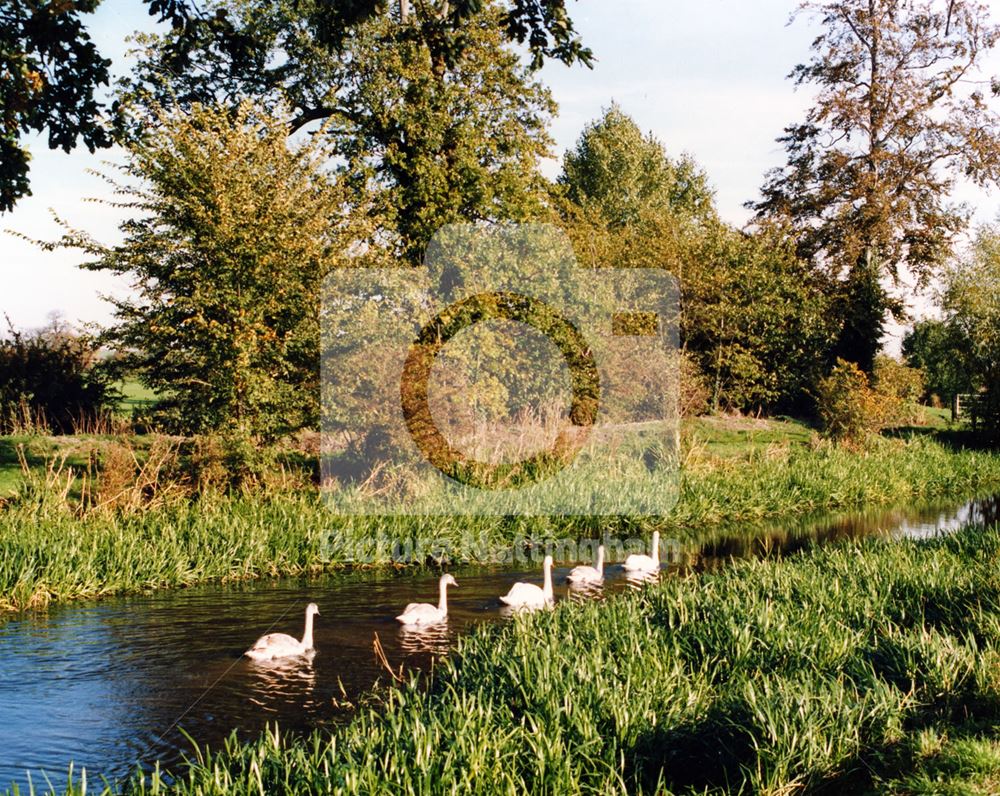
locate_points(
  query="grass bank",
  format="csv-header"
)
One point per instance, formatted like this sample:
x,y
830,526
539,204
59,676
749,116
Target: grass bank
x,y
856,668
49,552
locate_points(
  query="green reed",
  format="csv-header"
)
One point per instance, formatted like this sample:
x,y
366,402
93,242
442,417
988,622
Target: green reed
x,y
50,552
847,669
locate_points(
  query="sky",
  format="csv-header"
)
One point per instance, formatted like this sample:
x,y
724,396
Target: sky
x,y
708,79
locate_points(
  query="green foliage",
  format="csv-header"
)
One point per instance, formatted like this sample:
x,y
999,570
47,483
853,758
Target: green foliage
x,y
159,535
807,674
624,176
902,387
870,167
939,349
847,405
50,380
421,142
756,317
50,71
972,303
853,407
232,234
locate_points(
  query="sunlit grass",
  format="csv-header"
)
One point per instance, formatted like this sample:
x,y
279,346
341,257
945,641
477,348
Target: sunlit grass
x,y
47,552
853,668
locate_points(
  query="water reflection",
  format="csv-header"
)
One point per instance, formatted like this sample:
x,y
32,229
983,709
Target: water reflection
x,y
639,580
584,590
275,685
428,639
107,684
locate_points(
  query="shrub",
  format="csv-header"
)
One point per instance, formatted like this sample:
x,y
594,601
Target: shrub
x,y
50,380
850,407
693,391
902,386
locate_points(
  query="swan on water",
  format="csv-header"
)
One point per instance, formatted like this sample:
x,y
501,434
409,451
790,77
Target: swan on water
x,y
585,574
281,645
425,613
528,595
643,563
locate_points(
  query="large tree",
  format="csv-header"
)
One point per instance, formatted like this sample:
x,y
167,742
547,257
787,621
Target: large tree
x,y
625,175
230,235
51,72
754,317
422,142
901,110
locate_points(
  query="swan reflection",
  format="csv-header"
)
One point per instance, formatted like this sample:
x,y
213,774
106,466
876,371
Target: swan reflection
x,y
434,639
275,683
639,580
585,591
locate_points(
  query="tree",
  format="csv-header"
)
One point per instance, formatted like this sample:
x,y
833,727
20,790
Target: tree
x,y
899,113
755,317
419,147
50,71
625,175
972,305
51,379
231,236
940,350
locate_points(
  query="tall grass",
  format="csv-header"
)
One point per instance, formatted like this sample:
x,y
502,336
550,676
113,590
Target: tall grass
x,y
826,672
49,550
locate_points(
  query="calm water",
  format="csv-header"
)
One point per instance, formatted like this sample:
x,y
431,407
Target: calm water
x,y
111,683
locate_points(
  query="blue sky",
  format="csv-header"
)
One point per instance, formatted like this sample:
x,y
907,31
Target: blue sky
x,y
706,78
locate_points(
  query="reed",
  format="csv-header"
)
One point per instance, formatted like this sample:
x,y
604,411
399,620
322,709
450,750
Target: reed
x,y
854,668
143,534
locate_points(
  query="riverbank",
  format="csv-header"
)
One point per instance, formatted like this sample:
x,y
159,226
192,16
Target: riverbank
x,y
48,552
868,667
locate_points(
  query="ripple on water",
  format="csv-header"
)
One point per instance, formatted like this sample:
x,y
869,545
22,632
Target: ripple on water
x,y
107,684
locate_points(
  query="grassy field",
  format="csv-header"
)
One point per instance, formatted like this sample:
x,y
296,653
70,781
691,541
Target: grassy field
x,y
863,668
50,551
135,396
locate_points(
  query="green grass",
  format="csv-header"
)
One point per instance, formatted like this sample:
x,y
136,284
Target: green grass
x,y
135,396
870,667
47,552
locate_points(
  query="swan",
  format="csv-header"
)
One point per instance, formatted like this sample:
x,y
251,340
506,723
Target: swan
x,y
281,645
642,563
528,595
584,574
425,613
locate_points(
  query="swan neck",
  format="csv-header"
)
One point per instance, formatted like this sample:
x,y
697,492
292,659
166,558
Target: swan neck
x,y
600,562
307,635
656,551
547,587
443,598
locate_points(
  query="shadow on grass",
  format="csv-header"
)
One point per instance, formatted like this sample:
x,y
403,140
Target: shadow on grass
x,y
956,439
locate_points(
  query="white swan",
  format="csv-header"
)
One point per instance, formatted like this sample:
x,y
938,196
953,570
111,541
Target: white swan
x,y
281,645
584,574
642,563
528,595
425,613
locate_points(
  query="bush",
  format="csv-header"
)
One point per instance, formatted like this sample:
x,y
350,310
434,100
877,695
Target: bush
x,y
901,385
850,407
50,380
693,392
